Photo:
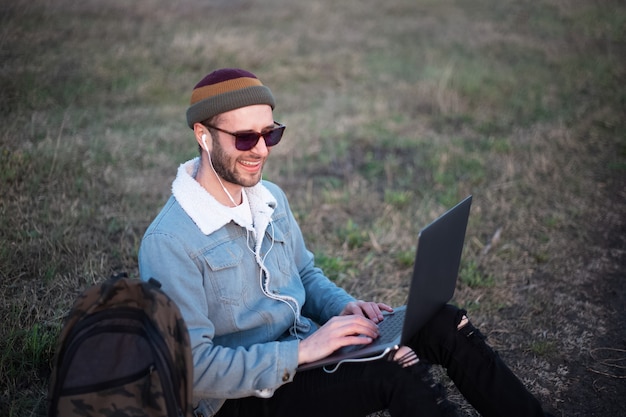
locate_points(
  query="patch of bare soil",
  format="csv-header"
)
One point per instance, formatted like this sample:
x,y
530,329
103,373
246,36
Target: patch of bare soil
x,y
589,300
598,376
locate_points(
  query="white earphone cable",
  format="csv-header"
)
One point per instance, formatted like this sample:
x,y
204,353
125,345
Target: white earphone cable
x,y
268,293
232,200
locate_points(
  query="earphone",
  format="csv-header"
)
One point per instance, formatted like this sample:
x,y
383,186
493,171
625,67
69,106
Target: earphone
x,y
206,148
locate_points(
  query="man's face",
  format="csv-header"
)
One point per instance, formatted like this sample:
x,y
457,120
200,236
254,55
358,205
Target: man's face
x,y
243,168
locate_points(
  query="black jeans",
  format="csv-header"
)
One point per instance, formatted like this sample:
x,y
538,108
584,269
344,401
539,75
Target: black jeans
x,y
476,369
358,389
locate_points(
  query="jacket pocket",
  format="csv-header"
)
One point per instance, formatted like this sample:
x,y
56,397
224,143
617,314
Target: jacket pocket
x,y
225,261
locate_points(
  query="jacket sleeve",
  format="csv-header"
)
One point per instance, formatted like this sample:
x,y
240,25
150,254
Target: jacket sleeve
x,y
219,372
324,299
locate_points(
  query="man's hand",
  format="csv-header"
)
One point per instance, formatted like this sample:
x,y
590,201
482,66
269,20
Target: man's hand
x,y
367,309
355,325
338,332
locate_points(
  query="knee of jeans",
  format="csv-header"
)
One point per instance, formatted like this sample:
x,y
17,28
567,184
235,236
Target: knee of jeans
x,y
453,315
467,329
476,339
458,317
447,319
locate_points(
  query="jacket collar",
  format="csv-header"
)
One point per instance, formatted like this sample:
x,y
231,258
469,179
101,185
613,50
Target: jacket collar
x,y
210,215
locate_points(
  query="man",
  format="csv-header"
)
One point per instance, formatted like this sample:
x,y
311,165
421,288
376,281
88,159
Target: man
x,y
229,252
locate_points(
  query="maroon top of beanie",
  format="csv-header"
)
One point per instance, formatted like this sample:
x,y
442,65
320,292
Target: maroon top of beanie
x,y
224,74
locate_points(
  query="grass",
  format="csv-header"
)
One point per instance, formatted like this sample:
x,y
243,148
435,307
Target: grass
x,y
470,275
395,111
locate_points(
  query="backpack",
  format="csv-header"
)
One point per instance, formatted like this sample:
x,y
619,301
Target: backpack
x,y
123,351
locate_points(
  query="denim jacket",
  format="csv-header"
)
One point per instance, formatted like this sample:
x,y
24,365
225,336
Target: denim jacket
x,y
248,293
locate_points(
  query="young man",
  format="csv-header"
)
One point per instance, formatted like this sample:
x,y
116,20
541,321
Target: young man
x,y
229,252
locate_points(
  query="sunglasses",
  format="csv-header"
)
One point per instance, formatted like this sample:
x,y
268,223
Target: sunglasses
x,y
247,139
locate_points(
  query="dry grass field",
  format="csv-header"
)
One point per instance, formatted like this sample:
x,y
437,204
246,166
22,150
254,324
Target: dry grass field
x,y
394,111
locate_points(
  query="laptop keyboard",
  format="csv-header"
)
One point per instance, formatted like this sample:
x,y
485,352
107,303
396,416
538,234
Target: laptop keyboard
x,y
391,327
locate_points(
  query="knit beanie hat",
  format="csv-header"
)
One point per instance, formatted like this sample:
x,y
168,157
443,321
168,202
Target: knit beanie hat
x,y
224,90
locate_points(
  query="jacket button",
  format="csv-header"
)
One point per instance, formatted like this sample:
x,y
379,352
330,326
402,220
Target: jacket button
x,y
286,377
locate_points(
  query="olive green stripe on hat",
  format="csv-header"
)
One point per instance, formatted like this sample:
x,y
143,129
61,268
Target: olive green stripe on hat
x,y
221,103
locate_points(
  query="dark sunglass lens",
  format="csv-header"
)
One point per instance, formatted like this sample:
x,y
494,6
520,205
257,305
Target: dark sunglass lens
x,y
273,136
246,141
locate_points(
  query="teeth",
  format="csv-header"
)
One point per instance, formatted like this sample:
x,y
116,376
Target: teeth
x,y
249,163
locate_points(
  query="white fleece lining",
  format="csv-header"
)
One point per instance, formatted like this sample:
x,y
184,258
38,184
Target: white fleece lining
x,y
210,215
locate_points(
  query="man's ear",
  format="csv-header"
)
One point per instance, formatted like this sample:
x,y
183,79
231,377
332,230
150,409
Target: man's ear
x,y
202,135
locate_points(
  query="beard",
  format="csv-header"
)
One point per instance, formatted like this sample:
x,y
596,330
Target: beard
x,y
224,166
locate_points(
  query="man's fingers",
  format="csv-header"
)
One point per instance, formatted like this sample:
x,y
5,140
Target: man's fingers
x,y
347,326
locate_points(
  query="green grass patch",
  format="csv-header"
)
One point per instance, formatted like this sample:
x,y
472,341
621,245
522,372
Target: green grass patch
x,y
405,258
471,275
353,235
543,348
399,199
335,267
27,352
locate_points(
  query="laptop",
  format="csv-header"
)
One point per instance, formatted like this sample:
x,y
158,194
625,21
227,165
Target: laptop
x,y
437,262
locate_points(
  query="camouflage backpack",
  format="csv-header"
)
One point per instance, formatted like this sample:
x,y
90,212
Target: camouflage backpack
x,y
123,352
